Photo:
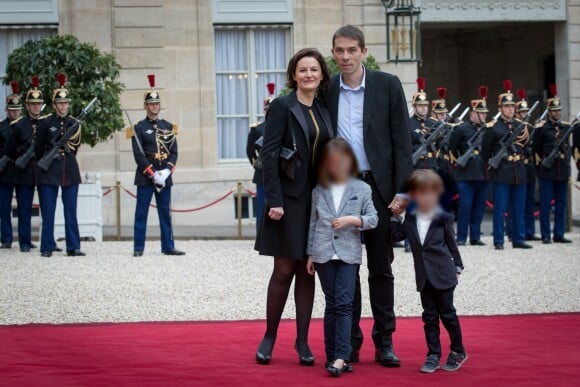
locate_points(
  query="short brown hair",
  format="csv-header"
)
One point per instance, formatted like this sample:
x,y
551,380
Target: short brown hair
x,y
422,180
350,32
335,145
293,64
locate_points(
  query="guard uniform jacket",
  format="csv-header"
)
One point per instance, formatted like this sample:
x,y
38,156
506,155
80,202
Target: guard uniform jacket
x,y
158,140
545,140
252,151
420,129
7,175
64,170
23,133
512,169
475,169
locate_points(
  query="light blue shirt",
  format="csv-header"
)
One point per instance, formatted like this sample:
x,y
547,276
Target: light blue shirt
x,y
350,120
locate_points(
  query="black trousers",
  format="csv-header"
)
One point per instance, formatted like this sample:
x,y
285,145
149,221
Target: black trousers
x,y
380,255
438,305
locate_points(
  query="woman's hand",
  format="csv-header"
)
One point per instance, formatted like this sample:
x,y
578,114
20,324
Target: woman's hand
x,y
276,213
310,266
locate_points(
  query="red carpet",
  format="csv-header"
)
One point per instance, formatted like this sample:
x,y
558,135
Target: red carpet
x,y
529,350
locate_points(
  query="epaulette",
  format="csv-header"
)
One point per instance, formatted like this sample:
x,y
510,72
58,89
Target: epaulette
x,y
254,125
16,120
518,120
490,124
129,132
566,123
539,124
45,116
175,129
576,154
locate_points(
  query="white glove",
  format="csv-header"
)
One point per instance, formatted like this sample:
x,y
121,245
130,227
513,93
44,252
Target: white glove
x,y
158,180
164,174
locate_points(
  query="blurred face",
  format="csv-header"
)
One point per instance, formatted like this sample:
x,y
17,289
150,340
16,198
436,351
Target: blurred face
x,y
478,118
440,116
61,108
522,115
153,109
421,110
34,108
308,74
555,114
426,200
507,111
338,166
348,55
13,114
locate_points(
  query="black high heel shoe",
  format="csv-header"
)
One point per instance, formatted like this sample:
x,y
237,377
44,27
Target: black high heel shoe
x,y
264,353
304,354
336,372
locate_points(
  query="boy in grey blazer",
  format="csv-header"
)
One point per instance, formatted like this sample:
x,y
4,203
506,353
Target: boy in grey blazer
x,y
342,207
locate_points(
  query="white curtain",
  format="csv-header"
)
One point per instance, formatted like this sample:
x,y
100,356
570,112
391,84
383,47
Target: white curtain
x,y
239,72
11,39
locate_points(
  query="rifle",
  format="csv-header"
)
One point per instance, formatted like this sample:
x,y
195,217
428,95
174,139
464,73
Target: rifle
x,y
445,141
474,143
46,160
548,161
433,136
509,139
23,160
158,187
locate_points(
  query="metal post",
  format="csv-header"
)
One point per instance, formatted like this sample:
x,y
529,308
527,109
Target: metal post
x,y
239,208
118,200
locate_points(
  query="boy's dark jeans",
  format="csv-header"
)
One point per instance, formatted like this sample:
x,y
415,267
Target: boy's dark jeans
x,y
438,304
338,282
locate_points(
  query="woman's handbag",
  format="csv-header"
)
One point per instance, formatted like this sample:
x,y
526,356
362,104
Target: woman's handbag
x,y
289,160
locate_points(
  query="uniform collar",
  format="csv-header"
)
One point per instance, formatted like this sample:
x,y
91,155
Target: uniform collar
x,y
344,86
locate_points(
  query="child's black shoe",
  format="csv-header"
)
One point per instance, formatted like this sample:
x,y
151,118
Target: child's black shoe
x,y
431,364
455,361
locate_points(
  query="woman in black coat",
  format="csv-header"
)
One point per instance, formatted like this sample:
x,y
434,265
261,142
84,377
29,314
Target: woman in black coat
x,y
296,121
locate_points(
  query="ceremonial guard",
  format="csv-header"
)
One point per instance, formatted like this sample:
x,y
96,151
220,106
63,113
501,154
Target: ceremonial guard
x,y
509,178
471,173
63,172
21,150
421,126
522,109
445,165
552,150
253,152
13,108
155,151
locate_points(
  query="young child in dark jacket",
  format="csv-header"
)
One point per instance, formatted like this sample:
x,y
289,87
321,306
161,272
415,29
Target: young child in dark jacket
x,y
342,207
437,266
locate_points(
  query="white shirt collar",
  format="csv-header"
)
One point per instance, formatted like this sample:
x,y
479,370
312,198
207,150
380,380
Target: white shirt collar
x,y
344,86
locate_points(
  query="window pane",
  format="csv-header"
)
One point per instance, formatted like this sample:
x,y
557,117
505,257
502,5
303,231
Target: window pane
x,y
279,79
232,94
232,137
270,50
231,50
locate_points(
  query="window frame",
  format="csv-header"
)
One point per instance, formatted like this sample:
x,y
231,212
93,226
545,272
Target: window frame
x,y
252,72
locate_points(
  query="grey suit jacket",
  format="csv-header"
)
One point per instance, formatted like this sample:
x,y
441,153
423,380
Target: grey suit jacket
x,y
323,240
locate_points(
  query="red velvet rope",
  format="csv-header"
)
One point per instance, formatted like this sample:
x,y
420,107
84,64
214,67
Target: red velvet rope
x,y
221,198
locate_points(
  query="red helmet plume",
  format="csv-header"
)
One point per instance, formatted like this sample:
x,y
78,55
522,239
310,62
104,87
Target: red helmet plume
x,y
522,93
507,85
35,81
151,78
61,78
483,91
14,86
271,87
421,83
442,92
554,90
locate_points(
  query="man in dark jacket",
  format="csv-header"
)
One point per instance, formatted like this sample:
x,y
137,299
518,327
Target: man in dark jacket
x,y
155,152
472,178
553,180
368,109
13,109
509,179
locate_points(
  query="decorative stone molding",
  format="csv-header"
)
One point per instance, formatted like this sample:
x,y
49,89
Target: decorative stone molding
x,y
492,11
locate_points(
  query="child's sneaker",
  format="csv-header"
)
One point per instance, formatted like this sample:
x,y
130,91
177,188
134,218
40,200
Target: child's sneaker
x,y
455,361
431,364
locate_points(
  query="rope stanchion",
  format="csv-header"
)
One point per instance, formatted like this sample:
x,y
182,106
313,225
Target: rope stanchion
x,y
111,189
251,193
214,202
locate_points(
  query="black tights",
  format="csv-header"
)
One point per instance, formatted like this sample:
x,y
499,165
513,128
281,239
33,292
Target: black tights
x,y
284,271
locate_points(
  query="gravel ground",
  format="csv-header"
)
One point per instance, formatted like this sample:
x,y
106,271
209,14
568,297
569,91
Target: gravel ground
x,y
227,280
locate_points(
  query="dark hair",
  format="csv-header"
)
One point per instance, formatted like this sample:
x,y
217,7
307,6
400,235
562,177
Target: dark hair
x,y
424,180
293,64
335,145
350,32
